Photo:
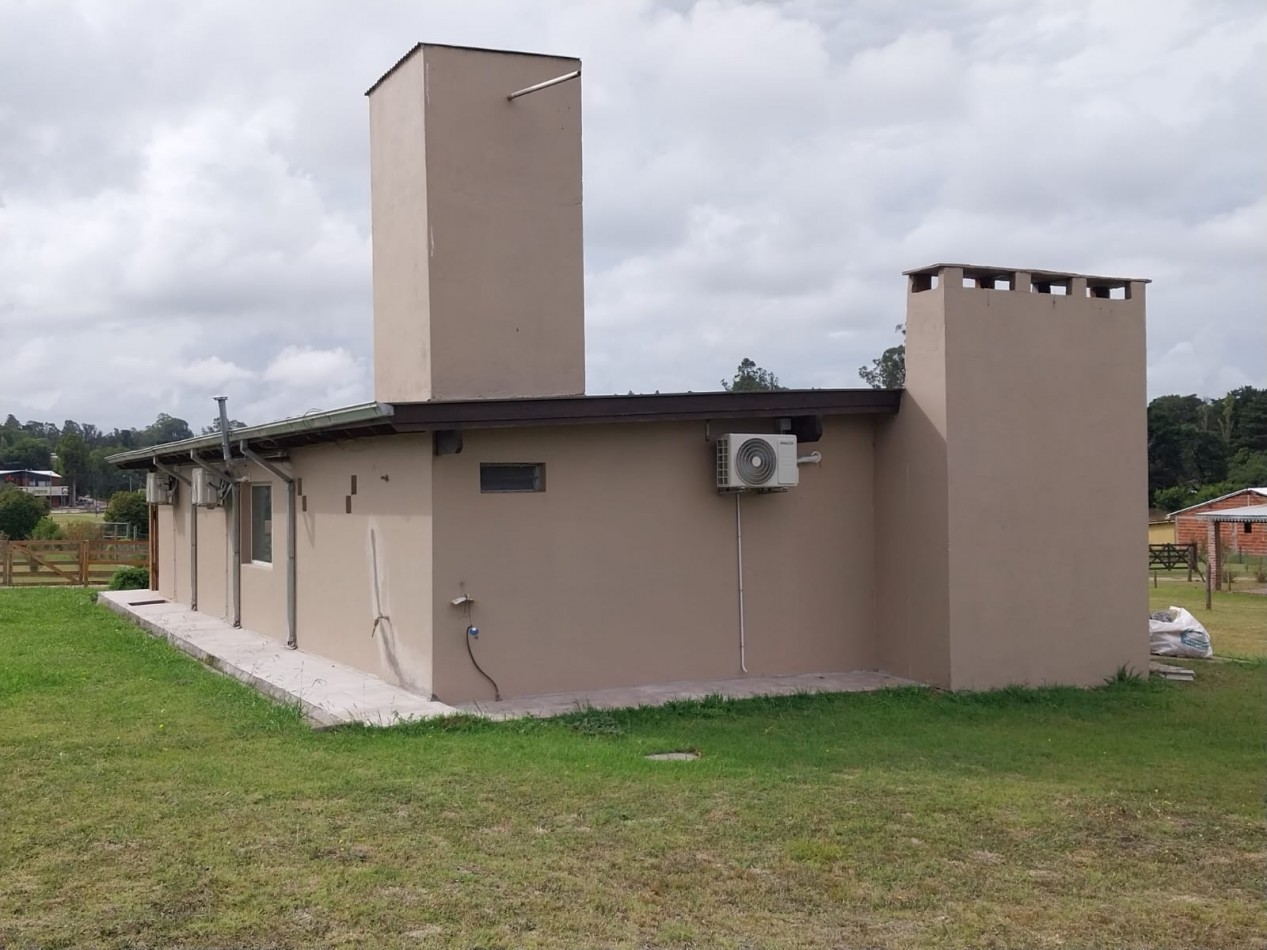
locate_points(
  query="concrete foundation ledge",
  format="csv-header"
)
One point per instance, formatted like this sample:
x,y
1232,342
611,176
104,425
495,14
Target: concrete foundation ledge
x,y
332,694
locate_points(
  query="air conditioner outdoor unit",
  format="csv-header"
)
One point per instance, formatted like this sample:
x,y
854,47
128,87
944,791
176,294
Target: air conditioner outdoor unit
x,y
754,461
205,490
159,489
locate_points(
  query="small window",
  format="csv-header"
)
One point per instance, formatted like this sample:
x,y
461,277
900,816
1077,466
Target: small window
x,y
262,523
1247,527
515,476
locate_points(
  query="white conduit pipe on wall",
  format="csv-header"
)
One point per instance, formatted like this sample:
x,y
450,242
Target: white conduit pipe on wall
x,y
743,660
812,459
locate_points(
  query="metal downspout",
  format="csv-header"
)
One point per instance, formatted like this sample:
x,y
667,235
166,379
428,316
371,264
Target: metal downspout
x,y
291,524
235,516
193,531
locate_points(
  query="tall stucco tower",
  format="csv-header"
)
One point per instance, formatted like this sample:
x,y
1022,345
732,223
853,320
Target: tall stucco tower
x,y
1012,485
476,205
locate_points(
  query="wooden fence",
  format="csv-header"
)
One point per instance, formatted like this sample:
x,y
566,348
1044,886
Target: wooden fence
x,y
1167,557
76,563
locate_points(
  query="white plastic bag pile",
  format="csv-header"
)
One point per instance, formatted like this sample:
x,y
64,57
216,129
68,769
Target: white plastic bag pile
x,y
1175,632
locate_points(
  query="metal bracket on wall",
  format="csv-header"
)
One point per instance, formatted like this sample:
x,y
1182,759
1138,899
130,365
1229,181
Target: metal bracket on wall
x,y
447,441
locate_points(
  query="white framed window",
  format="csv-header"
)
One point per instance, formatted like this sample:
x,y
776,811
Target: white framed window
x,y
261,514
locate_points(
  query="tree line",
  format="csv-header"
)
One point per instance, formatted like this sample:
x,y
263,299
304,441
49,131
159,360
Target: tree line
x,y
78,451
1199,449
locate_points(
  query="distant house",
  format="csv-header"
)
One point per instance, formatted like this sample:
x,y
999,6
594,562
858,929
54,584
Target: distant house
x,y
1161,532
39,482
1248,537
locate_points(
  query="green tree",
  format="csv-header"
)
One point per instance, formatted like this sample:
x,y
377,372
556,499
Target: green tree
x,y
888,370
1248,429
20,512
26,452
1186,445
214,428
130,508
1248,470
74,460
1173,499
749,377
165,429
46,529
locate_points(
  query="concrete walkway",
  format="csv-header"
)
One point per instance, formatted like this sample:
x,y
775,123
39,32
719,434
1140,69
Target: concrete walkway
x,y
331,694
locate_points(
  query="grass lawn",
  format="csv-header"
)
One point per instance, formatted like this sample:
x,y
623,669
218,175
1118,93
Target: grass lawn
x,y
1237,624
68,517
148,802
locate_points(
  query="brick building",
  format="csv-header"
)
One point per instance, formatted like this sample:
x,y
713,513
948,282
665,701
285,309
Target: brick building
x,y
1239,538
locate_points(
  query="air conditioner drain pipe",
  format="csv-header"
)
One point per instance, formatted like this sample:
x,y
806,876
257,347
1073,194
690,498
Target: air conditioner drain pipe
x,y
813,458
292,642
743,660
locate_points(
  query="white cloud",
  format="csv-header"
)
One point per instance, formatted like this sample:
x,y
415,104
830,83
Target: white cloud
x,y
184,188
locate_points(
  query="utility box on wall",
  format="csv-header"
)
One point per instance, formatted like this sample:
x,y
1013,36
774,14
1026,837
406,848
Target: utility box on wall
x,y
159,489
206,491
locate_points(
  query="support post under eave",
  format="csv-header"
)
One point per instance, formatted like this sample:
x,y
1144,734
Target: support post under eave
x,y
1217,557
291,522
234,531
153,547
1211,546
193,530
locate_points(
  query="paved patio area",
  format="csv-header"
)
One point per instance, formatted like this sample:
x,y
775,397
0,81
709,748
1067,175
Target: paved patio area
x,y
331,693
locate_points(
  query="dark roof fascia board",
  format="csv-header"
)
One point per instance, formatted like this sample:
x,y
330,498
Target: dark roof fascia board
x,y
673,407
474,49
365,421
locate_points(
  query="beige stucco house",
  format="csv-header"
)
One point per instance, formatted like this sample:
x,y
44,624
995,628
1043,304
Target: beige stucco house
x,y
597,541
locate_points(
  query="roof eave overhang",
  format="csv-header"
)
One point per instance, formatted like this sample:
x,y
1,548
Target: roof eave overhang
x,y
376,419
672,407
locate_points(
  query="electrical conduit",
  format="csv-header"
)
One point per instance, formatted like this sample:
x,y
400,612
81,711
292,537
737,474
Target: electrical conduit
x,y
743,660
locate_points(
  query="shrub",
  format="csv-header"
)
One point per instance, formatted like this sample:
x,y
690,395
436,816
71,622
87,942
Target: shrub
x,y
130,507
46,529
130,578
81,531
20,512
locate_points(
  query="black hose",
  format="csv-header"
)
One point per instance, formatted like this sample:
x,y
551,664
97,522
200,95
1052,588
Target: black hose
x,y
497,693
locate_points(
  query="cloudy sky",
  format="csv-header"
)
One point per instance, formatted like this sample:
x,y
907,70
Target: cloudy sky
x,y
184,187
